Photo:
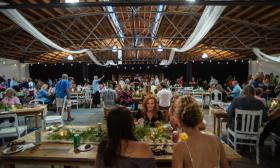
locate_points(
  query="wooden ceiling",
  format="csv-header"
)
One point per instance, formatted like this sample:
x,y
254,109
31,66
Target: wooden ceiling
x,y
239,29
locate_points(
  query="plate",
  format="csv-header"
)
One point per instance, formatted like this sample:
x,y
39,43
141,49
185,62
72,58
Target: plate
x,y
8,151
82,148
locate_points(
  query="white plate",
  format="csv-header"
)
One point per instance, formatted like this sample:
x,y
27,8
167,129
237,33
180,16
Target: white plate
x,y
8,150
82,148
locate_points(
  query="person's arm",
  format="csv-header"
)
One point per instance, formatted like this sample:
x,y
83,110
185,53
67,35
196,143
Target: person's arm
x,y
223,159
178,156
230,110
101,78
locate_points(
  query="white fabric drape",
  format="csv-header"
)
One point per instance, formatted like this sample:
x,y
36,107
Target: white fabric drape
x,y
20,20
207,20
264,57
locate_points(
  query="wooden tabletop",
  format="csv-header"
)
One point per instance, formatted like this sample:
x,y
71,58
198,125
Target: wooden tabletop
x,y
58,149
29,109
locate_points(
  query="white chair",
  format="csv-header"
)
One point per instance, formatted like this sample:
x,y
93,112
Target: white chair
x,y
87,96
57,118
275,138
8,129
216,98
246,130
74,99
34,102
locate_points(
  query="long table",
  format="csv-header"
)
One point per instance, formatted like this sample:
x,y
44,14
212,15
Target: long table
x,y
62,153
36,111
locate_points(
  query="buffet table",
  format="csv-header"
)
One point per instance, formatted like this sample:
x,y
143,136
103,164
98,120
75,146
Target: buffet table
x,y
62,153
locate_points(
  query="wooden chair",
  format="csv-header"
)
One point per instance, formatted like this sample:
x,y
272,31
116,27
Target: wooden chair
x,y
245,130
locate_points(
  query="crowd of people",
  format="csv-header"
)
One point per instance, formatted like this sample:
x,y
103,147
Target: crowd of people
x,y
158,96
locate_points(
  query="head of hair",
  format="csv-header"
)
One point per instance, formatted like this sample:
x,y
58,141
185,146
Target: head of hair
x,y
64,76
11,91
188,111
249,90
144,106
163,85
259,91
120,127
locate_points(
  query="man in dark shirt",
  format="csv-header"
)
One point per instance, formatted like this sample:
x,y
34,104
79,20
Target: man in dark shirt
x,y
246,102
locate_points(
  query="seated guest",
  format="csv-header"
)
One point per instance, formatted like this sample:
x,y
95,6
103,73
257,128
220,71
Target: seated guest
x,y
173,119
259,94
199,150
149,114
274,123
245,102
236,91
43,94
10,97
121,149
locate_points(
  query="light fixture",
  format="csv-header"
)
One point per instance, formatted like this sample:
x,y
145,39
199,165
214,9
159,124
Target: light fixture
x,y
55,64
4,62
71,1
114,49
227,63
204,56
15,64
159,48
70,57
235,60
210,61
218,62
45,65
38,63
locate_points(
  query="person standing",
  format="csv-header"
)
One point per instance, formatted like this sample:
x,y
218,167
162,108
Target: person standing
x,y
62,89
96,90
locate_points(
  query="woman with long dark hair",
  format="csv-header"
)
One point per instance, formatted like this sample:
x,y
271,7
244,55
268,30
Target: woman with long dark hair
x,y
121,149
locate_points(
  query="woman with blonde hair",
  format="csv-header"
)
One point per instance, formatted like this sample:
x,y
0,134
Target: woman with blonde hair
x,y
150,114
199,150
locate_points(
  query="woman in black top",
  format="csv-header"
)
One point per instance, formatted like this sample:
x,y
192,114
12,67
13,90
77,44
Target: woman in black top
x,y
149,114
121,149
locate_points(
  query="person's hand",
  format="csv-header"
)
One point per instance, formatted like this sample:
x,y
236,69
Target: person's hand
x,y
141,121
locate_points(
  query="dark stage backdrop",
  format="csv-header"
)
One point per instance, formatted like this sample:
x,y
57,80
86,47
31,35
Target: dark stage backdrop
x,y
81,70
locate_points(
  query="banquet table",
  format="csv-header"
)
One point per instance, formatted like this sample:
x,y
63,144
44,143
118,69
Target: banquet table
x,y
218,115
36,111
61,153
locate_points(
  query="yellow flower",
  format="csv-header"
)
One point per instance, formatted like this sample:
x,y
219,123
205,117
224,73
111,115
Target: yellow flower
x,y
160,129
183,136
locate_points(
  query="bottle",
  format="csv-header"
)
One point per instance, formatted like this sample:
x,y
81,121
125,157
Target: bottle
x,y
175,136
76,141
37,136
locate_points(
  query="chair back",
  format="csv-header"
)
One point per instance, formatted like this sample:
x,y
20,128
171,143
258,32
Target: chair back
x,y
36,101
197,94
87,93
247,121
216,96
7,116
64,106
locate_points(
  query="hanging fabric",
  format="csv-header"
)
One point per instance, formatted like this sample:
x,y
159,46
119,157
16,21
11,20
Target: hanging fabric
x,y
264,57
207,20
20,20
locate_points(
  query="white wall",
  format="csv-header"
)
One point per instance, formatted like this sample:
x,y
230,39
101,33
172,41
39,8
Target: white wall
x,y
12,68
265,67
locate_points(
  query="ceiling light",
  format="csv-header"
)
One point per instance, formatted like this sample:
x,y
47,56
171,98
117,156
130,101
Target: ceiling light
x,y
71,1
159,48
70,57
114,49
204,56
15,64
4,62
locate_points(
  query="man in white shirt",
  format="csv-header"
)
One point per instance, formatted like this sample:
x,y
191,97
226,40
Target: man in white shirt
x,y
164,97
